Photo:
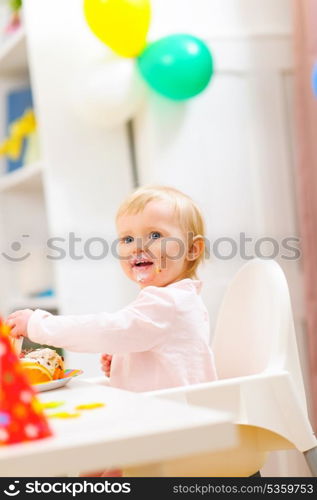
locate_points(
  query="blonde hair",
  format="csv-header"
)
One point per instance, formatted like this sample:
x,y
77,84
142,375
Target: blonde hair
x,y
189,214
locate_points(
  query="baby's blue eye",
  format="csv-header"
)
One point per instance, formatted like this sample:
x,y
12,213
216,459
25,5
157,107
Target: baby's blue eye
x,y
155,235
127,239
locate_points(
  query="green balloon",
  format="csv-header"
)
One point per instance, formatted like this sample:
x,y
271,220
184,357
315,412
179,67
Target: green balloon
x,y
177,66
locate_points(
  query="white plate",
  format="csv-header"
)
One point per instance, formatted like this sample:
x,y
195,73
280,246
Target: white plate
x,y
55,384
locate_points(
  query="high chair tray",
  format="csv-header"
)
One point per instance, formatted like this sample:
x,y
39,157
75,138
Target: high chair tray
x,y
125,429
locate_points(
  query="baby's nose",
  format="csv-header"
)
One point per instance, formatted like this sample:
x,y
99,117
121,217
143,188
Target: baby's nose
x,y
138,245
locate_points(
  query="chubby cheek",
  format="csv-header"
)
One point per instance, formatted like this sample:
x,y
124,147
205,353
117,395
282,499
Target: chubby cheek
x,y
125,266
123,255
172,255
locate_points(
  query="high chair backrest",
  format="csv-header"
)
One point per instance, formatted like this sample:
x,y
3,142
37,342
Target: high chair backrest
x,y
255,329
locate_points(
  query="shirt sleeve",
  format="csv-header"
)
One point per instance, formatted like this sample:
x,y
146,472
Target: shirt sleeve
x,y
138,327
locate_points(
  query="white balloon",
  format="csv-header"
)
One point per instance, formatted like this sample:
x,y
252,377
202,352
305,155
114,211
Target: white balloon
x,y
108,92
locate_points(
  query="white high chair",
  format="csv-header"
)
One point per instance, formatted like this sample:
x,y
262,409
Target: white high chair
x,y
260,380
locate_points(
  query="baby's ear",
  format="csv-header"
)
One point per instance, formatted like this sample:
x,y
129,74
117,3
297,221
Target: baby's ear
x,y
197,247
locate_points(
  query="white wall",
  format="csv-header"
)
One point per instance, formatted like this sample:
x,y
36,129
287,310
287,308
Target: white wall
x,y
231,148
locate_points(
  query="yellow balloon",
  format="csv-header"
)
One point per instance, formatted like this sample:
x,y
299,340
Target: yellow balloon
x,y
120,24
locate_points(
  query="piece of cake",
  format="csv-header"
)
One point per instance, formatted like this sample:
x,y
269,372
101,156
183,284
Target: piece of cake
x,y
42,365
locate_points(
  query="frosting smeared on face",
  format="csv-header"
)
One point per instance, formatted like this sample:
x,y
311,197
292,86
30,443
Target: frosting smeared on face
x,y
153,246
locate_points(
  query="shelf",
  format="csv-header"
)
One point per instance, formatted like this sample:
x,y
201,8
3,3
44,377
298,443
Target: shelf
x,y
27,177
46,303
13,55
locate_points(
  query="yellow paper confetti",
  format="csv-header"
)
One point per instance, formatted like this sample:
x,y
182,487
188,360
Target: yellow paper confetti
x,y
64,415
90,406
52,404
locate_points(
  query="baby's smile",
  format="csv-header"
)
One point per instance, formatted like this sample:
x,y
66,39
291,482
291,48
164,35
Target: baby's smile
x,y
142,268
140,261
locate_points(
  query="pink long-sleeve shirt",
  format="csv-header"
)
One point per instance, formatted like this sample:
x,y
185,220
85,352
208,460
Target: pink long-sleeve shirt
x,y
159,340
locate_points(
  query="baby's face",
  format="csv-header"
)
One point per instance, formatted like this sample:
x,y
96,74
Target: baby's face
x,y
152,247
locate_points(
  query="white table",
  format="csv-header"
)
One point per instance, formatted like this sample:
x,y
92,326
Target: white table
x,y
131,429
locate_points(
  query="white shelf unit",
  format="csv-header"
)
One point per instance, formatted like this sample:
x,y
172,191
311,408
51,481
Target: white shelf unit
x,y
23,217
13,55
87,169
23,178
46,303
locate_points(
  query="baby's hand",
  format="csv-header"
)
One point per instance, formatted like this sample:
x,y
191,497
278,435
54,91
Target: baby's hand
x,y
106,363
18,321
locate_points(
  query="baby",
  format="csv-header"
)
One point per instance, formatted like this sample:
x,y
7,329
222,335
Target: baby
x,y
159,340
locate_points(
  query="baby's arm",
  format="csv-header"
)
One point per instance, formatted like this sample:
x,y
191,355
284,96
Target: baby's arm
x,y
19,321
136,328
